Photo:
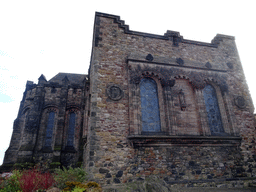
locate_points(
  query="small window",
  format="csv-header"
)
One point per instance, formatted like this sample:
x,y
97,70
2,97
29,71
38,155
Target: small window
x,y
149,106
49,129
213,111
71,129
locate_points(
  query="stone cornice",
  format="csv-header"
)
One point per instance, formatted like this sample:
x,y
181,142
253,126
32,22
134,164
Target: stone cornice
x,y
171,140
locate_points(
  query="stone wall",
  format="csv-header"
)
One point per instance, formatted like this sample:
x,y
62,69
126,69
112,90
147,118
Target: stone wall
x,y
32,140
153,105
119,149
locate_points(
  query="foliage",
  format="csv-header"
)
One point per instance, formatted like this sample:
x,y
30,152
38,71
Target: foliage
x,y
21,166
78,189
78,186
37,180
33,179
54,165
2,182
69,175
11,183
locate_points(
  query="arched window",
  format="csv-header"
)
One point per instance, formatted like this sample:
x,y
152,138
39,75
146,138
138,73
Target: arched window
x,y
213,111
49,129
149,106
71,129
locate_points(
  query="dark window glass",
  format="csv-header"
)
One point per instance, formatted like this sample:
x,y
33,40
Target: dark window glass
x,y
71,129
213,111
49,129
149,106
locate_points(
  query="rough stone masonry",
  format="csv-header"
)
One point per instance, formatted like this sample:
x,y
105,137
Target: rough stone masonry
x,y
151,105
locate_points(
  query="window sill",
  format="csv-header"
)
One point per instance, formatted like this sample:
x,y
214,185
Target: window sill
x,y
166,140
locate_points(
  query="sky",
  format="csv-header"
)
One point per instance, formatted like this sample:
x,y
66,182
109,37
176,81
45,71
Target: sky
x,y
51,36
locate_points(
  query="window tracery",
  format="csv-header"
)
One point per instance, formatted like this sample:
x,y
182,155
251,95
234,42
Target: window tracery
x,y
71,129
149,106
213,111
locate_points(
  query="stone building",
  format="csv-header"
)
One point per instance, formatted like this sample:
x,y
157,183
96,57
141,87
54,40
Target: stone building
x,y
150,105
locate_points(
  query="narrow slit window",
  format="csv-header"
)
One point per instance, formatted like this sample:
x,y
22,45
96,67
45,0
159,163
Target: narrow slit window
x,y
49,129
71,129
149,106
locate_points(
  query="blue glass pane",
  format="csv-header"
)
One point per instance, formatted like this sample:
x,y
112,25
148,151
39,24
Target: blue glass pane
x,y
71,129
213,111
49,129
149,106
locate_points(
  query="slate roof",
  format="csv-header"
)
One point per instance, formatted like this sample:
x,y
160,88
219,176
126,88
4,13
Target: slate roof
x,y
72,77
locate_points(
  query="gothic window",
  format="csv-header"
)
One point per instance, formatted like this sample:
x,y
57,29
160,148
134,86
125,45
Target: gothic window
x,y
213,111
49,129
149,106
71,129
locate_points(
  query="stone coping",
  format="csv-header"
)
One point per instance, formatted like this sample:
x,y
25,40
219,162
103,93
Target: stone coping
x,y
171,140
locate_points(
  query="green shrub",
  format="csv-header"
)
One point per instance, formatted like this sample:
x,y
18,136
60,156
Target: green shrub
x,y
12,183
78,189
91,186
64,175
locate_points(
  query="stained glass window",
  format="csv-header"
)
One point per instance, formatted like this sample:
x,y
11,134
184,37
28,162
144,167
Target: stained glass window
x,y
213,111
71,129
149,106
49,129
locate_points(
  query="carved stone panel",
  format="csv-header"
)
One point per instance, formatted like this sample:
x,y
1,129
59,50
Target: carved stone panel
x,y
240,102
114,92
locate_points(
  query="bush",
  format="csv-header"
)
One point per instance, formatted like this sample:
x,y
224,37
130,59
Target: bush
x,y
33,179
69,175
91,186
11,183
2,182
78,189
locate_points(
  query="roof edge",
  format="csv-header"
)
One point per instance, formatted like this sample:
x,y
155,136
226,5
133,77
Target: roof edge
x,y
169,35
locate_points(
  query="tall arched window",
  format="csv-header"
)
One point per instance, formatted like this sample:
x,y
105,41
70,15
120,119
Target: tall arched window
x,y
49,129
71,129
213,111
149,106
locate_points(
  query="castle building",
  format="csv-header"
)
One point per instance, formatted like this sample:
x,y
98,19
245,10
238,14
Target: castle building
x,y
150,105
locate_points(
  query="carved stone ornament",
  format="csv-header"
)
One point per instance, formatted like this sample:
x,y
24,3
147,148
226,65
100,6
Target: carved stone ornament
x,y
149,57
180,61
208,65
114,92
230,65
240,102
